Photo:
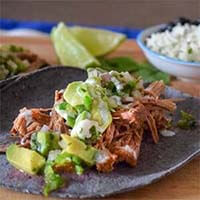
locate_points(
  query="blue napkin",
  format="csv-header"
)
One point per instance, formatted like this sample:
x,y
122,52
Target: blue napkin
x,y
9,24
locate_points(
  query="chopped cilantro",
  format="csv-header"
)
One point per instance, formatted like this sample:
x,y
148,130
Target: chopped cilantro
x,y
187,121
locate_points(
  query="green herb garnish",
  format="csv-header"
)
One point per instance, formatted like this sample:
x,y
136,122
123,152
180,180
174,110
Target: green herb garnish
x,y
187,121
119,64
146,70
128,88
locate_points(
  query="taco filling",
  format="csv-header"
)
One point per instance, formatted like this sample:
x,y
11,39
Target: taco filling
x,y
94,123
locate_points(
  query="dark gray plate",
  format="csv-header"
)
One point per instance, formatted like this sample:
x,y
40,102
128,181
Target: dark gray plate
x,y
155,161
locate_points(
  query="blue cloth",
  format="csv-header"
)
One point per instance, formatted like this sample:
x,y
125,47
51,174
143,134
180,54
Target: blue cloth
x,y
9,24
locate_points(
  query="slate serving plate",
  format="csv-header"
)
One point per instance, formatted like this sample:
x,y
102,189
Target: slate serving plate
x,y
7,81
155,161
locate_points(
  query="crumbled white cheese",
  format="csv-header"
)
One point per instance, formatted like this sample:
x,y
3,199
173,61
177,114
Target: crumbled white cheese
x,y
115,101
119,86
140,84
167,133
82,129
91,81
101,157
53,154
44,128
61,91
130,150
136,94
183,42
62,144
27,114
128,99
127,76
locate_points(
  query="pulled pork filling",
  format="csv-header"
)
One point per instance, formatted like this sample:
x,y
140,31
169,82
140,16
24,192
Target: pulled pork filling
x,y
121,140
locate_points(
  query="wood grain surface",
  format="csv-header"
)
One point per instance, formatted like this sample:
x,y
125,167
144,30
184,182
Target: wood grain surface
x,y
182,185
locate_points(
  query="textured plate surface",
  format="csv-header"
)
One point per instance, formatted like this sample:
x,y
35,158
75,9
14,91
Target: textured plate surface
x,y
155,161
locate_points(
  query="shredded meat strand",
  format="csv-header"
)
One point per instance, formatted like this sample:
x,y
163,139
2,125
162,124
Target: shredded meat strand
x,y
39,117
57,123
155,89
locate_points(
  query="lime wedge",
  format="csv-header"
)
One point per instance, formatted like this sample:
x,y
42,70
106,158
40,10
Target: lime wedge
x,y
98,42
70,51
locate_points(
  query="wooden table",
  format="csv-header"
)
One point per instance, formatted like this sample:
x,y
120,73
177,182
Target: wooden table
x,y
182,185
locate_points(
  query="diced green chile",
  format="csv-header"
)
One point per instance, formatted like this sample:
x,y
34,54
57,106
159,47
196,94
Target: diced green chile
x,y
63,106
80,108
87,99
70,121
82,116
87,102
67,112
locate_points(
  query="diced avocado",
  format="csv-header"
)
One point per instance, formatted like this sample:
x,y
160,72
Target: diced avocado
x,y
76,147
80,108
43,142
24,159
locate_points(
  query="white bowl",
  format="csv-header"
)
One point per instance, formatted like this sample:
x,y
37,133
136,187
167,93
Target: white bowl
x,y
187,71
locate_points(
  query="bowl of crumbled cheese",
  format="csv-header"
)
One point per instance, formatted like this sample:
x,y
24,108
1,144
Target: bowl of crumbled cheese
x,y
174,48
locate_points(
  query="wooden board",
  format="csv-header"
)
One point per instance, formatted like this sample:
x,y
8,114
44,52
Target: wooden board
x,y
183,184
